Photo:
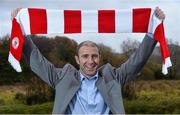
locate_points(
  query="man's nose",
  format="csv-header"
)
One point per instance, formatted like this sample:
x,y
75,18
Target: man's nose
x,y
90,59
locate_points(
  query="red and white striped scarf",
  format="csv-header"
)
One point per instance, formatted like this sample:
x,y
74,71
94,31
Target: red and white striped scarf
x,y
46,21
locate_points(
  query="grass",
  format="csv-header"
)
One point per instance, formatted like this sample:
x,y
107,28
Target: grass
x,y
159,90
160,97
166,106
9,105
7,94
45,108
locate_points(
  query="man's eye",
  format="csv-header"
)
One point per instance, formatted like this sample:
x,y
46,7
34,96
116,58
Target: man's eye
x,y
95,56
85,56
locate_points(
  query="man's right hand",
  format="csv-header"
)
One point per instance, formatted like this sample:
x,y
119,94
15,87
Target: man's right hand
x,y
159,13
15,12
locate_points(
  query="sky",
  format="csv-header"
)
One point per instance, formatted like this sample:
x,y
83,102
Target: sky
x,y
170,8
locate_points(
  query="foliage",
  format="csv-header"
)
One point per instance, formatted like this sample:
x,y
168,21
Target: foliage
x,y
61,50
38,92
7,74
129,91
169,106
160,97
129,46
45,108
152,97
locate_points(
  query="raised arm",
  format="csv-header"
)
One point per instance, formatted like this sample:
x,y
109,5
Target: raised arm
x,y
138,59
38,63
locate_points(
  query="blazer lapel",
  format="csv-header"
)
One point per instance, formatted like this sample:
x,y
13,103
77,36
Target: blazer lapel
x,y
76,85
104,89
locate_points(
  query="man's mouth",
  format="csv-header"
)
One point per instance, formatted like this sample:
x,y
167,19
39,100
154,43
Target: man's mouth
x,y
92,67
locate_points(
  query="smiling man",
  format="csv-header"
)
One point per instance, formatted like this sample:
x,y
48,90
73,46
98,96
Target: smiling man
x,y
88,57
89,90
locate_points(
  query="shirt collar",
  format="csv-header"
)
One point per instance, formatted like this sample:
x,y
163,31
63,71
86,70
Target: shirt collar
x,y
82,77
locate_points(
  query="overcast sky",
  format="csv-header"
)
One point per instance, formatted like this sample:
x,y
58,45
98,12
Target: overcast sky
x,y
170,7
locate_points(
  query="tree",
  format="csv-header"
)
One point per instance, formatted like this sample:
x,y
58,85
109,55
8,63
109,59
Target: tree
x,y
175,54
129,46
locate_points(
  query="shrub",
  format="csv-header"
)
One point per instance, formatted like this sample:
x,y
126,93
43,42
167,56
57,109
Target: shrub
x,y
38,92
2,101
20,97
129,91
45,108
170,106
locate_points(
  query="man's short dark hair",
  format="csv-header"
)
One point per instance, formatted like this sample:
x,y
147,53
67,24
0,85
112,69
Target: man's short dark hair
x,y
87,43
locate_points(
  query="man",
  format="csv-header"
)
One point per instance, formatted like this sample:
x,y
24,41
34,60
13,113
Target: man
x,y
91,90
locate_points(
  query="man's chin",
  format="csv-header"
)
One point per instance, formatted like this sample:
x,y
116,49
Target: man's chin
x,y
91,73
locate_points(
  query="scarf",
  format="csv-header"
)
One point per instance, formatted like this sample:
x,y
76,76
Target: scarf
x,y
47,21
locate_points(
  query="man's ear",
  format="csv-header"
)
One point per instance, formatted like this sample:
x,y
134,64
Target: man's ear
x,y
99,56
77,59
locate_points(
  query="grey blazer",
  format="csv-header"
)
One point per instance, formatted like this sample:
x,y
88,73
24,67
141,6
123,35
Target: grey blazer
x,y
66,80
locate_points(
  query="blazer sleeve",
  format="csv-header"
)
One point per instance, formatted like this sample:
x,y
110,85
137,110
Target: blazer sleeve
x,y
128,70
39,64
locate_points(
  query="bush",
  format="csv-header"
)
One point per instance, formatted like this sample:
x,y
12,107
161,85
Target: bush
x,y
129,91
45,108
169,106
38,92
155,97
20,97
35,99
2,101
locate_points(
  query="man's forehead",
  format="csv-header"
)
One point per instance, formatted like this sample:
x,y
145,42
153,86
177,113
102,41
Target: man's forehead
x,y
89,43
88,48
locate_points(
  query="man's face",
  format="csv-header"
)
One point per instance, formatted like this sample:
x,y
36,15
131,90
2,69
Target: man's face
x,y
88,59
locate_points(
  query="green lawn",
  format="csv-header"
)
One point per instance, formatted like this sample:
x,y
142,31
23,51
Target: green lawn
x,y
162,97
45,108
